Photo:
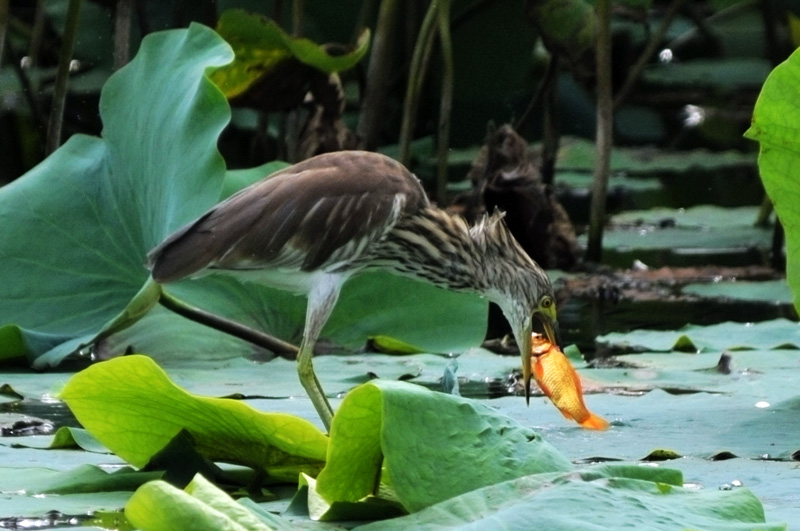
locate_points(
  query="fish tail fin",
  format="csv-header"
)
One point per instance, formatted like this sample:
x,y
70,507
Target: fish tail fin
x,y
595,423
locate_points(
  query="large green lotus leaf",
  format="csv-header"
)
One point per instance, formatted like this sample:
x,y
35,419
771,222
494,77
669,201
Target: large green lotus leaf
x,y
430,318
375,303
77,227
155,168
772,481
592,499
131,406
776,126
433,446
779,333
66,437
261,45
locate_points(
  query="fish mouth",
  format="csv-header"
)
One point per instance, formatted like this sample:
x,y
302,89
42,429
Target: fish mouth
x,y
551,331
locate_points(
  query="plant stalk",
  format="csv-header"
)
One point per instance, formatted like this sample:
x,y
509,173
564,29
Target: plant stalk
x,y
37,34
604,133
123,15
647,53
4,10
56,120
416,79
544,85
378,74
446,102
551,136
227,326
298,10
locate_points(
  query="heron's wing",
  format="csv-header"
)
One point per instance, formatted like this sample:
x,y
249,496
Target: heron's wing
x,y
327,208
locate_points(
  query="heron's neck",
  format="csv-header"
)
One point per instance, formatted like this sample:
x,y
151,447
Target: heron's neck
x,y
443,250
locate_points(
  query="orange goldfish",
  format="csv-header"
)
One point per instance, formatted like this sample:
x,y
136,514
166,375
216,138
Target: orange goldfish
x,y
559,381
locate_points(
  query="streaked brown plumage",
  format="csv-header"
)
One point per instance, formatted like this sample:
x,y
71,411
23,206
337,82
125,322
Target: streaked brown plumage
x,y
311,226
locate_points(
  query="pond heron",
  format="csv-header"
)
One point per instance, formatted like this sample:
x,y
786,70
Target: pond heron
x,y
311,226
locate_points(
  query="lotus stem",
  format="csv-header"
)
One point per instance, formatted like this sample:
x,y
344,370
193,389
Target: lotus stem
x,y
227,326
604,134
56,120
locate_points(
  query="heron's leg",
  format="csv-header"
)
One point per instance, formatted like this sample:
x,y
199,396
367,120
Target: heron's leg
x,y
321,301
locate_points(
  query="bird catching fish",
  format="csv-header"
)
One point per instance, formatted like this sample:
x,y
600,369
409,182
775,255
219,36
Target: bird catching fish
x,y
560,382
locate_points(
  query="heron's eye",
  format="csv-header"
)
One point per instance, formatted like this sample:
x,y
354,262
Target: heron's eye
x,y
546,302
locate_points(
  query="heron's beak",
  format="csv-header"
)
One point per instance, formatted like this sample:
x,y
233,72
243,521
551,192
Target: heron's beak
x,y
550,325
525,352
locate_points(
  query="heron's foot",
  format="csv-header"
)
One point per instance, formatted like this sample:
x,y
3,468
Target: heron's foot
x,y
310,382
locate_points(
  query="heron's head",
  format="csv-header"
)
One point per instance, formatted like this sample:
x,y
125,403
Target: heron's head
x,y
545,313
518,285
533,310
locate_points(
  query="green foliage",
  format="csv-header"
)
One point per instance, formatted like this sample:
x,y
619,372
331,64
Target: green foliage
x,y
777,334
424,439
131,406
261,46
77,227
82,479
696,235
655,400
623,497
158,506
447,460
776,126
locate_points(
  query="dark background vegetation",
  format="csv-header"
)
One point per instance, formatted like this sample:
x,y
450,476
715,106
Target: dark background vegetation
x,y
720,54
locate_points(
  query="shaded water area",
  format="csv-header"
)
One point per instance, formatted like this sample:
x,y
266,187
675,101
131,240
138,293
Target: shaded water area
x,y
621,303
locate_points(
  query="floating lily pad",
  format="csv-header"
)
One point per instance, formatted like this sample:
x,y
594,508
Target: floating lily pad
x,y
704,217
780,333
579,154
548,501
767,290
692,236
718,74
